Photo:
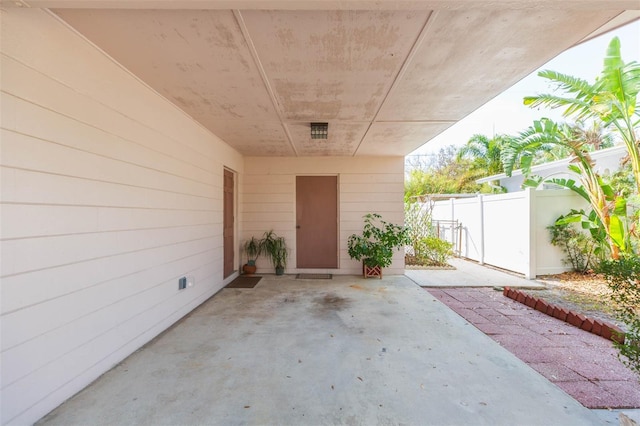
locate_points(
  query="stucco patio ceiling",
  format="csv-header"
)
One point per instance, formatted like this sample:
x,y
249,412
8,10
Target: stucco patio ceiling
x,y
386,75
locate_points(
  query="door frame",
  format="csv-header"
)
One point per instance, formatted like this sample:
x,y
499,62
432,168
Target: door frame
x,y
234,250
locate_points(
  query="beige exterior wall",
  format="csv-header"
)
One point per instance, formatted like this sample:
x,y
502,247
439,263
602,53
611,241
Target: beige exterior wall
x,y
366,185
109,195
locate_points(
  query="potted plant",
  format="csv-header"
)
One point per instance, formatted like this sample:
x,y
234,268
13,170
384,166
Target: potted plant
x,y
376,244
276,249
252,249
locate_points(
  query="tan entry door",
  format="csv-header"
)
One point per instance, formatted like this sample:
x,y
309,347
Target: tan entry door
x,y
228,224
317,221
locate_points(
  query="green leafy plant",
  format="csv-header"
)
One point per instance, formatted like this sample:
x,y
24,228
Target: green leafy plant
x,y
378,240
443,174
276,249
580,249
434,251
612,100
417,220
252,249
623,278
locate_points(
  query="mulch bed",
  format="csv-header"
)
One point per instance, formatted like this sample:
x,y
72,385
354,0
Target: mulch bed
x,y
584,365
427,267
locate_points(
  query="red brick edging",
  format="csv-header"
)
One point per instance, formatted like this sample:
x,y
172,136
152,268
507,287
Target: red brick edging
x,y
608,331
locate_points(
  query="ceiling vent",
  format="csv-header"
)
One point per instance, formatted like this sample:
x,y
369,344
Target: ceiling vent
x,y
319,130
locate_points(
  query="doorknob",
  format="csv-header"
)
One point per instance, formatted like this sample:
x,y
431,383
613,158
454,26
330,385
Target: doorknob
x,y
297,226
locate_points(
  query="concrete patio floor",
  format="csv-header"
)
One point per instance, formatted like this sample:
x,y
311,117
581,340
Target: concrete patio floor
x,y
312,352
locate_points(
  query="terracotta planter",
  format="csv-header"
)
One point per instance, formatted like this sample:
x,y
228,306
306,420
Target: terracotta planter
x,y
249,269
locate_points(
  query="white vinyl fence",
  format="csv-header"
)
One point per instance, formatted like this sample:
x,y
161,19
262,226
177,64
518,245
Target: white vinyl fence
x,y
508,230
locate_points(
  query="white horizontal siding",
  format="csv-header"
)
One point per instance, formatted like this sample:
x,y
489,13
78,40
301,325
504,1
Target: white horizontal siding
x,y
110,194
71,133
29,153
372,187
26,83
23,290
366,185
35,187
29,254
26,336
37,220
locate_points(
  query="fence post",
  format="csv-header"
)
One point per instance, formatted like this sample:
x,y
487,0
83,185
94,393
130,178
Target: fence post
x,y
481,216
453,218
530,261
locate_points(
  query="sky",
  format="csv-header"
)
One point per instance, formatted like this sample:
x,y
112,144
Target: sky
x,y
505,114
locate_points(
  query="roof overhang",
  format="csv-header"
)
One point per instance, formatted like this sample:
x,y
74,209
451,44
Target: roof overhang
x,y
386,75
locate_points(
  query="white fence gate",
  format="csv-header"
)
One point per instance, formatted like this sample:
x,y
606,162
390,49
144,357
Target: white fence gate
x,y
510,230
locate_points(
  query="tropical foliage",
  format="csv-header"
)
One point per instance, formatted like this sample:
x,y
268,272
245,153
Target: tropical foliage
x,y
612,99
623,276
252,249
579,249
448,173
612,103
608,209
484,154
276,250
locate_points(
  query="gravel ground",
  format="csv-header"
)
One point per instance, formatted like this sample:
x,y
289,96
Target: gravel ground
x,y
587,294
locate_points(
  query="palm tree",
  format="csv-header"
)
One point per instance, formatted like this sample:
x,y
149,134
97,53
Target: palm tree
x,y
612,99
594,138
484,153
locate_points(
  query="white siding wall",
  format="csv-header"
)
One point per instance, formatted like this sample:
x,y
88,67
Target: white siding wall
x,y
366,185
109,195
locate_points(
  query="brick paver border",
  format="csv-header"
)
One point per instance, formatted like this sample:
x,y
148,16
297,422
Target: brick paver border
x,y
600,328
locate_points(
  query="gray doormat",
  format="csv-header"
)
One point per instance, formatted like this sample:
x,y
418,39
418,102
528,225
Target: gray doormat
x,y
244,282
314,276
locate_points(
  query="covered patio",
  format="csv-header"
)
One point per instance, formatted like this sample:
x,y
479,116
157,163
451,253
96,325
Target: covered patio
x,y
143,141
319,352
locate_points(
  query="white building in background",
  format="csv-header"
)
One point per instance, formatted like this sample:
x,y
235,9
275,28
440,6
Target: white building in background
x,y
509,230
606,160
